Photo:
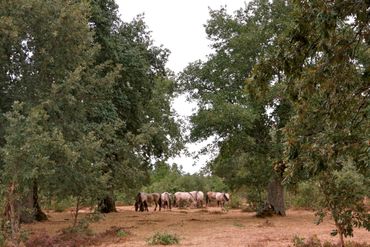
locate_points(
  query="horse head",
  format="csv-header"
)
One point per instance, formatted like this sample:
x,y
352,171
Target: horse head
x,y
226,196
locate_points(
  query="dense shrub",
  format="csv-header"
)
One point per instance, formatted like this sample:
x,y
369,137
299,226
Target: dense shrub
x,y
306,195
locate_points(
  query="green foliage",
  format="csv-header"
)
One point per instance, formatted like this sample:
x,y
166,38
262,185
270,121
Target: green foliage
x,y
163,239
2,240
346,190
305,195
172,179
87,100
247,140
62,205
83,225
313,241
235,202
321,61
121,233
141,99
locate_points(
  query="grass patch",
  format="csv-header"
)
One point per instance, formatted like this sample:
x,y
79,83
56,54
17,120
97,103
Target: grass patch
x,y
238,224
314,241
164,239
121,233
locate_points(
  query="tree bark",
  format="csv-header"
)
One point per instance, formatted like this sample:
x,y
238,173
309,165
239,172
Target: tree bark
x,y
78,201
107,204
39,215
275,196
31,209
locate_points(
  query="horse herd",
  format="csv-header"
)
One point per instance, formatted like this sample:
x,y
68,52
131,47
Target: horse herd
x,y
167,200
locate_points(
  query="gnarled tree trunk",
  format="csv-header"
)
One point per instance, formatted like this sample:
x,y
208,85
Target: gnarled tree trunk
x,y
275,196
108,203
31,209
39,215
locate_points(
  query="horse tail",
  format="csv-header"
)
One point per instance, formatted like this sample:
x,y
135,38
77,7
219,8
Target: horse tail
x,y
207,199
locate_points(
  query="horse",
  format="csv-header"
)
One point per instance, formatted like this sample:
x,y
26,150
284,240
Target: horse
x,y
165,200
142,199
220,197
184,197
199,197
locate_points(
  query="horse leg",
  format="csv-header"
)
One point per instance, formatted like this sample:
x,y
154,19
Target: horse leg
x,y
146,206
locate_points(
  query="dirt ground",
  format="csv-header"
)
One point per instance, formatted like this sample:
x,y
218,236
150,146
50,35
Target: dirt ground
x,y
203,227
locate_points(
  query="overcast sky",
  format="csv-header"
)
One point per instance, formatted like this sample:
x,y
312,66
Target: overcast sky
x,y
179,26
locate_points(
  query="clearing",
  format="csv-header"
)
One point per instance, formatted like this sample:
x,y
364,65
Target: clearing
x,y
202,227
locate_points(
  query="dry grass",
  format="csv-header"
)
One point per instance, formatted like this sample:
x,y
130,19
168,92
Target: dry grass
x,y
202,227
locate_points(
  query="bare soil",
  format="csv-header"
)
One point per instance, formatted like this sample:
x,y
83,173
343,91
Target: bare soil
x,y
201,227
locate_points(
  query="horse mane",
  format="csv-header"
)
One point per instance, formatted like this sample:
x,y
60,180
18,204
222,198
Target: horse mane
x,y
192,195
225,197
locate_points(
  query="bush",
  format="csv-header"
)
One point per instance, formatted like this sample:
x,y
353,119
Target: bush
x,y
121,233
255,198
83,225
307,195
314,241
235,202
62,205
163,238
2,239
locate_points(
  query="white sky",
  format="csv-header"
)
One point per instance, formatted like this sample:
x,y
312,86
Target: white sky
x,y
179,26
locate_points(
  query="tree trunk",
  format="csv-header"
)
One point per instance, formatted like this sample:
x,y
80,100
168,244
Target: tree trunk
x,y
275,196
107,204
39,215
12,212
340,233
78,201
27,211
31,209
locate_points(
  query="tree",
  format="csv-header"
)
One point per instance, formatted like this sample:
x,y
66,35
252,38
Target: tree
x,y
235,116
40,44
323,63
141,100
